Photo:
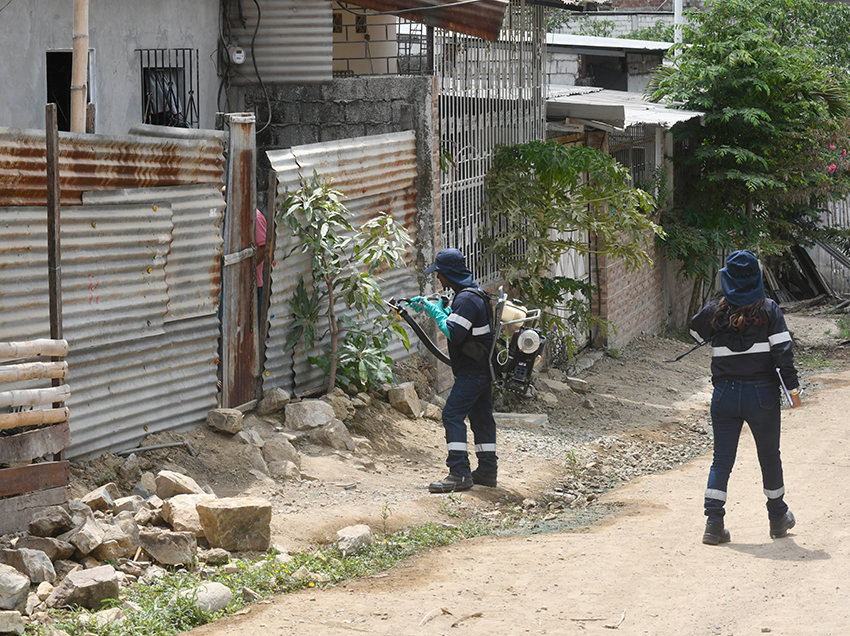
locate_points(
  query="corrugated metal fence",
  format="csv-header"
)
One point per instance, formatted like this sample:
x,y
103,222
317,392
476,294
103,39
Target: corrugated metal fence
x,y
140,278
829,262
376,174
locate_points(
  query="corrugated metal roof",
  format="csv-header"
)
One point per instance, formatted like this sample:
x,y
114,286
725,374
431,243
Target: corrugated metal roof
x,y
586,44
100,162
619,109
480,18
293,44
376,174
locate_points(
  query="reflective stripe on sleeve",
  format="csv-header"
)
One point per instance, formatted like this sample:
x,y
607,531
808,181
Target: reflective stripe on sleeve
x,y
759,347
485,448
779,338
775,494
480,331
711,493
457,446
463,322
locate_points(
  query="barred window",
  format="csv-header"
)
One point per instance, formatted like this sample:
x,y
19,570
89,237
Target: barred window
x,y
169,87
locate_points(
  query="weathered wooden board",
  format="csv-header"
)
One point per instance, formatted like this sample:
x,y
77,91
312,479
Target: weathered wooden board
x,y
16,512
21,480
26,446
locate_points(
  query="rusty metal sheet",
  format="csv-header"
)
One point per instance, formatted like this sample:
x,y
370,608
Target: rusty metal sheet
x,y
377,174
192,270
100,162
113,272
482,19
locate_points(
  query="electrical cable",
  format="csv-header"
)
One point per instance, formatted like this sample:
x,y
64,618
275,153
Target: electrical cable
x,y
400,11
257,71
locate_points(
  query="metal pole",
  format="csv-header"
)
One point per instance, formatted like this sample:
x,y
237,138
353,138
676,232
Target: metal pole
x,y
678,21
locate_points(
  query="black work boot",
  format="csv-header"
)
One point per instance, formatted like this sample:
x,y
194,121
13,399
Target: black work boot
x,y
451,483
483,479
715,533
780,527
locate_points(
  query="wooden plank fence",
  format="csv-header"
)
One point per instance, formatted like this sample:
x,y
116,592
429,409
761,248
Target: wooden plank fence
x,y
33,470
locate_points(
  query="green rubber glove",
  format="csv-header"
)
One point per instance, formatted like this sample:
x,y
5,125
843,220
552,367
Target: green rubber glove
x,y
440,315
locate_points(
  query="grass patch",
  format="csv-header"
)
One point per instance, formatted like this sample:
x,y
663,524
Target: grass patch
x,y
813,361
843,325
154,609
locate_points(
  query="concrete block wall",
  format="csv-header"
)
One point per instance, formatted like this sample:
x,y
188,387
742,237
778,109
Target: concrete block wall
x,y
624,22
561,68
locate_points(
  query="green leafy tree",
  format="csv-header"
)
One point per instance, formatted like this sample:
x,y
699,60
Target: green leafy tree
x,y
346,263
544,197
769,153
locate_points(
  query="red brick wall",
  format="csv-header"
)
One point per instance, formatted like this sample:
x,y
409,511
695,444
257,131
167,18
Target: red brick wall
x,y
651,299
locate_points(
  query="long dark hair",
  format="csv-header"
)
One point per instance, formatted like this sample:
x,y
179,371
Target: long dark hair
x,y
728,317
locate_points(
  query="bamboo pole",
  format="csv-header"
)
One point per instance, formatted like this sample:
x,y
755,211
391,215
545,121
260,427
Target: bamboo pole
x,y
33,397
33,371
33,418
79,71
42,347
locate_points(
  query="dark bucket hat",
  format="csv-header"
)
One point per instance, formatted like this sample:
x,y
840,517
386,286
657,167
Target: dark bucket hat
x,y
741,279
451,264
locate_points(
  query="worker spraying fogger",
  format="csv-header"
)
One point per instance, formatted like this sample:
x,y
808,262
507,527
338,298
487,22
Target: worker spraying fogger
x,y
486,346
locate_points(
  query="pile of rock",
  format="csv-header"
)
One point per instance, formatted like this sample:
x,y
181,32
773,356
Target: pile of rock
x,y
60,560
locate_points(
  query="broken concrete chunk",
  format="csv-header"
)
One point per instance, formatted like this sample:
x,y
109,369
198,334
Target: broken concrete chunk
x,y
169,548
102,498
274,401
34,564
225,420
14,589
307,414
238,524
169,483
403,398
352,538
51,522
86,588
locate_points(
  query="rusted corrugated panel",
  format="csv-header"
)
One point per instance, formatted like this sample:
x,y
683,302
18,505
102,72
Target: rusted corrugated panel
x,y
121,393
112,270
100,162
377,174
293,44
482,19
192,268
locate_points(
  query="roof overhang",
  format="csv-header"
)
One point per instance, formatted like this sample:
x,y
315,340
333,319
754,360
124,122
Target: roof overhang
x,y
616,47
611,110
479,18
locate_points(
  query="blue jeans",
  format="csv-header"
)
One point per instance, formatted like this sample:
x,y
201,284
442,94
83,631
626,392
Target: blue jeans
x,y
472,396
757,403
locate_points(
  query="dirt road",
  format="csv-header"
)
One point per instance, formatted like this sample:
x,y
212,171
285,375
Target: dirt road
x,y
642,571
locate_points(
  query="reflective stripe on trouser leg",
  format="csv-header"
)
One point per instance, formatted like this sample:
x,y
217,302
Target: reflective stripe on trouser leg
x,y
714,505
464,400
483,427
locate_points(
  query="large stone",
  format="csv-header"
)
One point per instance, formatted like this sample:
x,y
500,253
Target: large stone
x,y
210,596
433,412
86,538
35,564
79,512
578,385
131,504
335,435
11,622
179,512
225,420
307,414
352,538
169,483
102,498
280,450
116,544
52,547
86,588
168,548
343,409
403,398
14,589
253,457
238,524
285,470
51,522
274,401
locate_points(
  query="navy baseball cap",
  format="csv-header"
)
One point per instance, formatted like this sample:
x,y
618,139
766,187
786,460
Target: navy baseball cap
x,y
452,264
741,279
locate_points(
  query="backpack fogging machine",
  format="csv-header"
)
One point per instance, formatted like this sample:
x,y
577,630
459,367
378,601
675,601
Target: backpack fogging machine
x,y
516,341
